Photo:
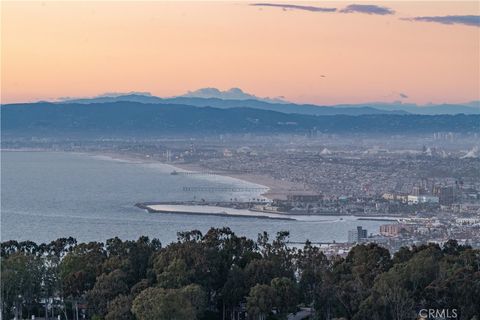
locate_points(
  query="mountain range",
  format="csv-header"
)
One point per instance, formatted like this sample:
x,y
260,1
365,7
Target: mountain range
x,y
235,98
134,119
211,111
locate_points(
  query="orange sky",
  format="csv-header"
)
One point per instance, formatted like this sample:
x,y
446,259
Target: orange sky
x,y
59,49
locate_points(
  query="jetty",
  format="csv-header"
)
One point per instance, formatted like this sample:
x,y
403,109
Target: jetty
x,y
224,209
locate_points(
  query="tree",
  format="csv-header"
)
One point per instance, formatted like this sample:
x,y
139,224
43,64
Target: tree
x,y
394,296
107,287
132,257
139,287
312,267
80,267
203,276
260,271
175,275
458,282
168,304
120,308
234,290
260,301
403,286
286,295
204,260
22,275
354,276
278,253
196,296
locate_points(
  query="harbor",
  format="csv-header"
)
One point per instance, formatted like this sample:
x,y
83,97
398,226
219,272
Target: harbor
x,y
224,209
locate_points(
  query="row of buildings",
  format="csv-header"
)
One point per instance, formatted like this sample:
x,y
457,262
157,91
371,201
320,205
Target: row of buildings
x,y
443,195
419,231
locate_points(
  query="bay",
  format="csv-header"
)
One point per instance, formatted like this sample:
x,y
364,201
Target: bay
x,y
47,195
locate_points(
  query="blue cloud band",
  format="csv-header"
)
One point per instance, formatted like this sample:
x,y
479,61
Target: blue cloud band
x,y
368,9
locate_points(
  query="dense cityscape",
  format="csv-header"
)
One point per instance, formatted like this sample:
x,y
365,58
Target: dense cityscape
x,y
425,188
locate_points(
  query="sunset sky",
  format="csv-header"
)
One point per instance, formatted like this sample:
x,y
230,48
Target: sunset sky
x,y
303,51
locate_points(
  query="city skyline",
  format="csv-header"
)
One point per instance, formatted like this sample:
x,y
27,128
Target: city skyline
x,y
306,52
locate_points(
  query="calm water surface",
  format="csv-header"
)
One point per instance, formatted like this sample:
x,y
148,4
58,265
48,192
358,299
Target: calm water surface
x,y
47,195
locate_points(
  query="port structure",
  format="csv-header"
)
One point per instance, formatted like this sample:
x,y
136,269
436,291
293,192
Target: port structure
x,y
223,189
191,173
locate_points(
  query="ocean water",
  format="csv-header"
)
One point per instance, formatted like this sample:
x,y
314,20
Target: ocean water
x,y
47,195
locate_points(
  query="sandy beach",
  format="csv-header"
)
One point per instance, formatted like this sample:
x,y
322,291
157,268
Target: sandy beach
x,y
277,189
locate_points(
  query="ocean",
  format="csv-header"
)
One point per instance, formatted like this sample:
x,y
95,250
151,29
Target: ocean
x,y
47,195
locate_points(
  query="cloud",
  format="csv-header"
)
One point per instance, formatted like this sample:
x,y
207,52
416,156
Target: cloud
x,y
231,94
367,8
295,7
470,20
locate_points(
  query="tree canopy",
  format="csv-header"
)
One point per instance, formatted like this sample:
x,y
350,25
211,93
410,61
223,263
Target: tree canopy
x,y
219,275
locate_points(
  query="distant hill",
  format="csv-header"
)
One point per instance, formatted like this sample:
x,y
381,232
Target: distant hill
x,y
472,107
236,98
226,104
133,118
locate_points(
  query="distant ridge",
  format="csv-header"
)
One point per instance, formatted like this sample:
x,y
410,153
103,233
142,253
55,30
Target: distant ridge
x,y
235,97
472,107
226,104
139,119
263,104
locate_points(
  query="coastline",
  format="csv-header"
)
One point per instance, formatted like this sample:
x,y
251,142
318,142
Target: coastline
x,y
277,189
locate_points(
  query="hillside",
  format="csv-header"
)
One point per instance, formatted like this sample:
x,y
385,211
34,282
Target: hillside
x,y
130,118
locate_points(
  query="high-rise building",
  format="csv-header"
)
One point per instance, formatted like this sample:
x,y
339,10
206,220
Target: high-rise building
x,y
356,235
419,190
393,230
446,195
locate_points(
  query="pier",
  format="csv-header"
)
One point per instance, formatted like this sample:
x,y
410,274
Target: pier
x,y
224,189
314,243
191,173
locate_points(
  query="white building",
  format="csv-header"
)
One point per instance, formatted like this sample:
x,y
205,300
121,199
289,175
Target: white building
x,y
422,199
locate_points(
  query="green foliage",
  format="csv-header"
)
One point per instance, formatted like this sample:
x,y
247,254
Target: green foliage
x,y
167,304
175,275
281,295
235,288
217,274
286,295
21,280
260,271
107,287
427,276
260,301
80,267
314,272
120,308
353,277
